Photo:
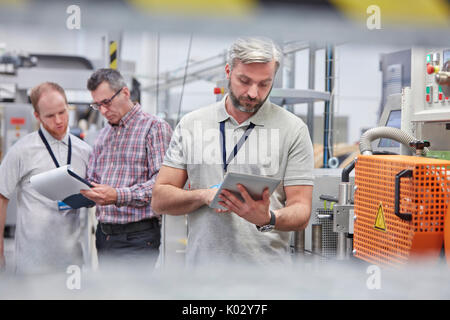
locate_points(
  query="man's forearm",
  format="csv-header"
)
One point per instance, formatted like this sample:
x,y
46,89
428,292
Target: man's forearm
x,y
168,199
292,218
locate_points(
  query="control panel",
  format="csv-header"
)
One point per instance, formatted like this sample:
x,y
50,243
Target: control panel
x,y
435,96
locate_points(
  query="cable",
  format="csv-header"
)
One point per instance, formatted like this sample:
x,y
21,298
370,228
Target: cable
x,y
185,76
330,130
332,105
327,125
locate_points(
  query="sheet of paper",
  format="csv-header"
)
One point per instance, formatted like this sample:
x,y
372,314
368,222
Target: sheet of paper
x,y
57,184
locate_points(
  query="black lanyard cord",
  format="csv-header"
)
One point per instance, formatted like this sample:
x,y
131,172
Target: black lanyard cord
x,y
69,154
236,148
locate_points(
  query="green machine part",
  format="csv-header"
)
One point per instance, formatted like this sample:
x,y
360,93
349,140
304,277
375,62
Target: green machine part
x,y
444,155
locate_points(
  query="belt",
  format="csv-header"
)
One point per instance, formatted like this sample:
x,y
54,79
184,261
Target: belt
x,y
111,228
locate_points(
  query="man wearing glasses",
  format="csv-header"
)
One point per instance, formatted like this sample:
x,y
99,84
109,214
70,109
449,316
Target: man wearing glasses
x,y
123,167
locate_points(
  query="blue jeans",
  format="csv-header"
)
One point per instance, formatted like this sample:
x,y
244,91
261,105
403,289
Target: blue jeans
x,y
129,248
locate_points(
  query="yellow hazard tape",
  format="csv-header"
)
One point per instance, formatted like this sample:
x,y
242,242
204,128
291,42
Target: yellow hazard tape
x,y
113,55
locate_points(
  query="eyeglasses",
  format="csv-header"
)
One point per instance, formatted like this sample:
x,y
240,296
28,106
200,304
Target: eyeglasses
x,y
105,102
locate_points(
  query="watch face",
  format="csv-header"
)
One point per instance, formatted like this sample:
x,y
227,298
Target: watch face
x,y
266,228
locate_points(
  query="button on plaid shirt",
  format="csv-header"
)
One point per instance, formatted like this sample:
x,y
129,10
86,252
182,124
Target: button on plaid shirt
x,y
128,157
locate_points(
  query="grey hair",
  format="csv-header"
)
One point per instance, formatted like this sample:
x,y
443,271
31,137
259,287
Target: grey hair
x,y
251,50
111,76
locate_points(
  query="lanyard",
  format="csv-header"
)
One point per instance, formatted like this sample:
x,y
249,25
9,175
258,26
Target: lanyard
x,y
69,154
236,147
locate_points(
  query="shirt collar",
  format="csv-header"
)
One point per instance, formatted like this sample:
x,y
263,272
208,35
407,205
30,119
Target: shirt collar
x,y
51,139
258,118
126,119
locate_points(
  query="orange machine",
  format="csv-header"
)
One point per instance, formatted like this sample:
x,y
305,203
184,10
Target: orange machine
x,y
447,236
400,208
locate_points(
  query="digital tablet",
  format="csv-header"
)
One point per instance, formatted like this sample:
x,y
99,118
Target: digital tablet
x,y
254,184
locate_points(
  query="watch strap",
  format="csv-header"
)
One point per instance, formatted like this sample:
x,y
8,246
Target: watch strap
x,y
270,226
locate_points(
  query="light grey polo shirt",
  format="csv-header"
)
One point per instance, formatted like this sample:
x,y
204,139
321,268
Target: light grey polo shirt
x,y
46,239
279,146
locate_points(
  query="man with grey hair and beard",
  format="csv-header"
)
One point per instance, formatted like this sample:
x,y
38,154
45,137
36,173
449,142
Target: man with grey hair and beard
x,y
250,231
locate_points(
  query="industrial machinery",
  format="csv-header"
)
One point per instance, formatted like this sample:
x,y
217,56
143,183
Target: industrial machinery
x,y
400,204
17,121
397,210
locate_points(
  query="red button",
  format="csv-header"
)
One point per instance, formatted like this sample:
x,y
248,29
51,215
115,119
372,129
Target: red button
x,y
430,68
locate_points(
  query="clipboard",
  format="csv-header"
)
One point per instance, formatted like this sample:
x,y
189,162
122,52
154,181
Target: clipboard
x,y
254,184
62,184
77,201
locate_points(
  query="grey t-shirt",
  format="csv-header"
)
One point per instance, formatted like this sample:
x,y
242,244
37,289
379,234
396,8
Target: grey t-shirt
x,y
46,239
279,146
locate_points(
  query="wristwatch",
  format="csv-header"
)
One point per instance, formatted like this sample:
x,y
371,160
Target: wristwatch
x,y
270,226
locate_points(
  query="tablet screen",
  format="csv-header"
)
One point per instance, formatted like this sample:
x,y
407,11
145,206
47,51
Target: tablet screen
x,y
254,184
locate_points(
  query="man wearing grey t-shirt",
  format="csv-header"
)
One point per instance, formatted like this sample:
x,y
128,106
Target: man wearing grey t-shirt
x,y
243,133
47,237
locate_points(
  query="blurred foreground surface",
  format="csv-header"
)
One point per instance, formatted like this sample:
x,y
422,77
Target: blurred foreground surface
x,y
308,278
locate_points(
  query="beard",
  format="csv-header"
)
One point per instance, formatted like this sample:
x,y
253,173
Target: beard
x,y
57,134
240,103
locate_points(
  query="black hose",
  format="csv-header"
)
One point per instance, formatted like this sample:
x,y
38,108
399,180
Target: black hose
x,y
346,171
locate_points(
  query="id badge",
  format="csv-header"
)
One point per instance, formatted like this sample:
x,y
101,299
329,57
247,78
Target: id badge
x,y
62,206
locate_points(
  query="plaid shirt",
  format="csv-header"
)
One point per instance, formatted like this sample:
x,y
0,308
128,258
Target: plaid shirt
x,y
128,157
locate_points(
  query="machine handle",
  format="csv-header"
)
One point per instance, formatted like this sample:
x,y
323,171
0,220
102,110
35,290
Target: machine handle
x,y
402,174
326,197
345,177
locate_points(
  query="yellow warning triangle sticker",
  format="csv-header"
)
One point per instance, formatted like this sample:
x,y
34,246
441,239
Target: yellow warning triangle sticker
x,y
380,224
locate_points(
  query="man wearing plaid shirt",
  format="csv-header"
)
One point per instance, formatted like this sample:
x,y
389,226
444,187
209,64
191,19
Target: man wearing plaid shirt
x,y
126,159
